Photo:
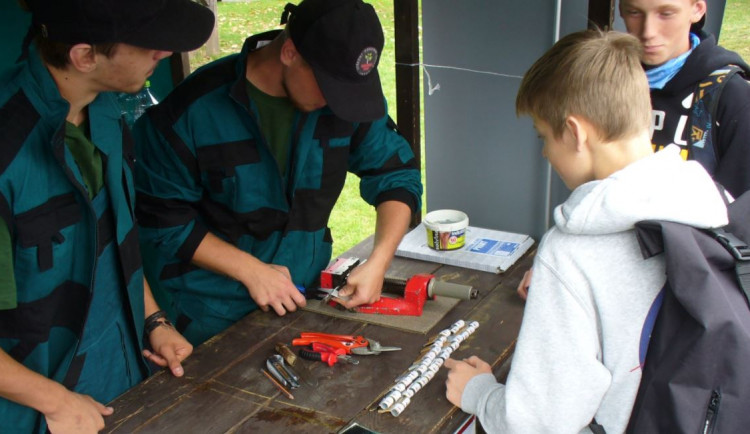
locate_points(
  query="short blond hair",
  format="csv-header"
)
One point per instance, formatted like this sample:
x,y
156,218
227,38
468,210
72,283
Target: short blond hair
x,y
593,74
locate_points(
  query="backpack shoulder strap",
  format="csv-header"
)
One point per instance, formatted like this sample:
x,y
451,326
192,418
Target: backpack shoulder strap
x,y
703,114
735,237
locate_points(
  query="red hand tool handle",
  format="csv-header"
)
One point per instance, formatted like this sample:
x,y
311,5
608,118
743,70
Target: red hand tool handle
x,y
344,346
329,358
359,340
323,348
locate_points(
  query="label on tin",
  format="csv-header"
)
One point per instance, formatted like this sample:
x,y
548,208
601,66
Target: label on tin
x,y
446,240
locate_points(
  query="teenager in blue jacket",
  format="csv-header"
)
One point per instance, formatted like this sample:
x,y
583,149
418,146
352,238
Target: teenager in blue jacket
x,y
74,306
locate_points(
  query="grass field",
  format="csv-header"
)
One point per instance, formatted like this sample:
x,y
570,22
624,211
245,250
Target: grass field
x,y
352,219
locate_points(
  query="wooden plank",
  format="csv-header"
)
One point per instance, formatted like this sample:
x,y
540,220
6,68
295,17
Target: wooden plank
x,y
210,359
499,313
285,418
223,378
408,113
196,409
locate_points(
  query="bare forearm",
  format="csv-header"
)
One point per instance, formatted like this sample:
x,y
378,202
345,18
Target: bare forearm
x,y
217,255
24,386
269,285
393,219
365,283
148,299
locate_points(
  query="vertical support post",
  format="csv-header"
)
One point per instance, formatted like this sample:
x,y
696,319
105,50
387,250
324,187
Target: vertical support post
x,y
212,45
406,22
601,13
180,66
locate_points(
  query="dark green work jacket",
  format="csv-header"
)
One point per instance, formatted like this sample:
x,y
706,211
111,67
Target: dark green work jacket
x,y
204,165
79,304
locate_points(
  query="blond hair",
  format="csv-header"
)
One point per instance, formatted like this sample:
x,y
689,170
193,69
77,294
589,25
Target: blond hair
x,y
593,74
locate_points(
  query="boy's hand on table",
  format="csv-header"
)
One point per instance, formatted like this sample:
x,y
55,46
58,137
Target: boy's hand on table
x,y
77,414
459,374
170,349
525,284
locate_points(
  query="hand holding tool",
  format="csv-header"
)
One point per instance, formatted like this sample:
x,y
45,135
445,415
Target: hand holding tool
x,y
333,278
357,345
416,290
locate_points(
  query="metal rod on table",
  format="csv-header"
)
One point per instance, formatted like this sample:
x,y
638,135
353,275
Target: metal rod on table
x,y
277,384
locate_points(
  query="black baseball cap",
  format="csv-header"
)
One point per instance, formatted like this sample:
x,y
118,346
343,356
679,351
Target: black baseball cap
x,y
342,41
168,25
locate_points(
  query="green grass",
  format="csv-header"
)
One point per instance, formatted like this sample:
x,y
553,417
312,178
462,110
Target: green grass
x,y
735,29
352,219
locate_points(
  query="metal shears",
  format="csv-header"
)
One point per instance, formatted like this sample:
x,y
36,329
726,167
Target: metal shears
x,y
358,345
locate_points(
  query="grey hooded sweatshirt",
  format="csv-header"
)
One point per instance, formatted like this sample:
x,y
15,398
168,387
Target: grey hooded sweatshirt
x,y
582,341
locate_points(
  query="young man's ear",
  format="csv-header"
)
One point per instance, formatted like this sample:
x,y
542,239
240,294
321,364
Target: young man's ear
x,y
289,52
699,9
83,58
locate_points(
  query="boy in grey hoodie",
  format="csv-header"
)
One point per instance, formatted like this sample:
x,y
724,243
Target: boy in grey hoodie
x,y
585,329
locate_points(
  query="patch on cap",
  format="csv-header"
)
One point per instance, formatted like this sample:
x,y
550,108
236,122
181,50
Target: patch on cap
x,y
367,60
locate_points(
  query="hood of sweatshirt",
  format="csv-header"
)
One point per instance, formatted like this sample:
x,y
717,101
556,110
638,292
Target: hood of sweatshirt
x,y
661,186
706,58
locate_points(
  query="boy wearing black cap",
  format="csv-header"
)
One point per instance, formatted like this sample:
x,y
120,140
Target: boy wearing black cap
x,y
678,55
243,162
72,294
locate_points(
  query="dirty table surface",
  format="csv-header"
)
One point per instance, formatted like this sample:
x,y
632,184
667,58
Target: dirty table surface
x,y
224,391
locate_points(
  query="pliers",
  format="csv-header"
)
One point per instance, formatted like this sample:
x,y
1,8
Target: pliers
x,y
326,354
357,345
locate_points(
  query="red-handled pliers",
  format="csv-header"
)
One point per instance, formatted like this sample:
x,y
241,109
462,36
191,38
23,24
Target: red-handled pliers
x,y
347,343
326,354
351,344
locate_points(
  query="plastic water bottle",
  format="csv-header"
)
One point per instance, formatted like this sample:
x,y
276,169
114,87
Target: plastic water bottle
x,y
133,105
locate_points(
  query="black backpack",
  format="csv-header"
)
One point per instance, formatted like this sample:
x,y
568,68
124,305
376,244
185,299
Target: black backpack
x,y
702,137
696,376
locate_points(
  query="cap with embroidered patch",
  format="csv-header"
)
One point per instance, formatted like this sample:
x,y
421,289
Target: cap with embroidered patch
x,y
342,40
166,25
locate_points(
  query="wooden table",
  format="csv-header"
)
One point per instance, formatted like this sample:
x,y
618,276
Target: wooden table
x,y
224,391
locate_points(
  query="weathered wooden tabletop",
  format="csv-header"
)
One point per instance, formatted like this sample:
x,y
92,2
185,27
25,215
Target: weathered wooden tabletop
x,y
224,391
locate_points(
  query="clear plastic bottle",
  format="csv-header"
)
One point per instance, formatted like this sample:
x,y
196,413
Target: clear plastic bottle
x,y
133,105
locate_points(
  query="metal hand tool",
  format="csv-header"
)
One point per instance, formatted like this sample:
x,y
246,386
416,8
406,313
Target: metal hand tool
x,y
275,365
358,345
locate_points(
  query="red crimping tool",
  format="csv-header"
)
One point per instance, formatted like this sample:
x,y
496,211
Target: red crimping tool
x,y
416,290
327,354
358,345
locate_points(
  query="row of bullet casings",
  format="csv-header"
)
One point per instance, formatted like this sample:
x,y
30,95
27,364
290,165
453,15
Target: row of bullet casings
x,y
424,369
